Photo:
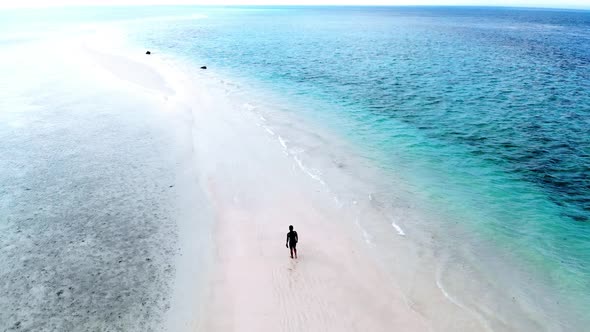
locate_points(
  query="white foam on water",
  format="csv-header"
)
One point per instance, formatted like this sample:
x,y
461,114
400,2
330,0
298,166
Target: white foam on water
x,y
283,142
312,173
456,302
309,172
250,107
296,150
284,145
395,226
398,229
268,130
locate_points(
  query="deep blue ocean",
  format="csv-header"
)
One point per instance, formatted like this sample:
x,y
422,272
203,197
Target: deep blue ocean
x,y
487,110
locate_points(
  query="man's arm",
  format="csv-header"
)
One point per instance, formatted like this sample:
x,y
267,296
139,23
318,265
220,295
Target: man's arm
x,y
296,237
287,243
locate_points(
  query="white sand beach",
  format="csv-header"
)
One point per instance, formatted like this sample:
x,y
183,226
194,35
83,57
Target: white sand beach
x,y
239,176
257,191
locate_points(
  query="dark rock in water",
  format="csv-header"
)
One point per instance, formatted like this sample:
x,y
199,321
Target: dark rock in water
x,y
148,52
204,67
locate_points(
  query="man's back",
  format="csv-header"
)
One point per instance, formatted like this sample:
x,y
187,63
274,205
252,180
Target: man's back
x,y
292,236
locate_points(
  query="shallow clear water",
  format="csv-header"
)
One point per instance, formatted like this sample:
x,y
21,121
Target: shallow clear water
x,y
87,199
485,112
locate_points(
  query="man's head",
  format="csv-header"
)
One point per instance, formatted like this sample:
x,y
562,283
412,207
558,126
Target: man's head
x,y
290,227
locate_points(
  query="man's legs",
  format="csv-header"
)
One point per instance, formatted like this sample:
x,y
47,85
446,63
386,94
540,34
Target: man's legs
x,y
291,249
294,249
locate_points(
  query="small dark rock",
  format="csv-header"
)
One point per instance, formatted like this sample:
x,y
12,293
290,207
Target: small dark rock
x,y
60,292
148,52
171,186
204,67
148,259
17,325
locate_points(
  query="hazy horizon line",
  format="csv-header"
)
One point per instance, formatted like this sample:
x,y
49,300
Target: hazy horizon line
x,y
515,6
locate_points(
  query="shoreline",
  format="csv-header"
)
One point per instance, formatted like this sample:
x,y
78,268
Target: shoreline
x,y
247,169
265,182
255,286
146,194
329,290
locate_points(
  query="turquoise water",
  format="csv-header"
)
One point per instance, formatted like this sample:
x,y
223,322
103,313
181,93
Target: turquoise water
x,y
484,111
487,109
507,86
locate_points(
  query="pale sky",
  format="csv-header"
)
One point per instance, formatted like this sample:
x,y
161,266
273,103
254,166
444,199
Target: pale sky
x,y
525,3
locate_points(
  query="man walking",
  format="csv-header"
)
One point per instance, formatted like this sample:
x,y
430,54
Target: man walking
x,y
292,240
